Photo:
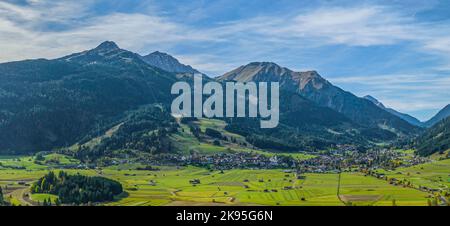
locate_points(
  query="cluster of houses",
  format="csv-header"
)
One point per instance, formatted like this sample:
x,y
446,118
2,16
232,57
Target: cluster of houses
x,y
225,161
347,158
343,157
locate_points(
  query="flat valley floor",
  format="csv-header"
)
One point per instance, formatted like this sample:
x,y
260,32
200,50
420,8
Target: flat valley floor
x,y
174,186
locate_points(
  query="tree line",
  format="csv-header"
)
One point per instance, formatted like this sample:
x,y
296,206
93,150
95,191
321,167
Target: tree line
x,y
77,189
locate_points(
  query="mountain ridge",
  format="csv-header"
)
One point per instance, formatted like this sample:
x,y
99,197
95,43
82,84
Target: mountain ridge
x,y
167,62
441,115
410,119
314,87
46,104
435,140
73,94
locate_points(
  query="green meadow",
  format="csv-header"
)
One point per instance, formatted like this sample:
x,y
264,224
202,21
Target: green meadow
x,y
172,185
185,142
357,189
435,174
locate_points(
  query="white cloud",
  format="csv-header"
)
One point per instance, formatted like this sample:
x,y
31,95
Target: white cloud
x,y
24,33
352,26
359,26
406,93
393,79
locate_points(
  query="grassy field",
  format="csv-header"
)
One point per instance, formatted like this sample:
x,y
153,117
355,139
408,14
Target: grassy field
x,y
358,189
41,197
434,175
30,162
171,186
186,142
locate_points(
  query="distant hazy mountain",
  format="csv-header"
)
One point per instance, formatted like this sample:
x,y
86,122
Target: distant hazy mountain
x,y
435,139
312,86
403,116
442,114
53,103
168,63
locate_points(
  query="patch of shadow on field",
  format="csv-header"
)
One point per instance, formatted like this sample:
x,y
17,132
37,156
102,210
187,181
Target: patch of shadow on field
x,y
122,195
360,198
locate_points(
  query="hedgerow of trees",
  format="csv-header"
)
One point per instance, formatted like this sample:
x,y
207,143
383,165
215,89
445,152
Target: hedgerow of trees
x,y
77,189
1,197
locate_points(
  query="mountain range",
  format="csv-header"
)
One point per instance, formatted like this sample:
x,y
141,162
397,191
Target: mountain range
x,y
320,91
47,104
406,117
441,115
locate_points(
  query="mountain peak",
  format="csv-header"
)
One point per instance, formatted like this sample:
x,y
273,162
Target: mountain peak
x,y
311,79
107,52
266,66
158,53
272,72
168,63
109,45
257,71
263,64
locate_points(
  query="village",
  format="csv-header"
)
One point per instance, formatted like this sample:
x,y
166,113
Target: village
x,y
330,161
342,158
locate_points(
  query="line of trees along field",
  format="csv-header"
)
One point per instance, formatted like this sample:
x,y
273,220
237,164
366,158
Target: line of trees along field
x,y
77,189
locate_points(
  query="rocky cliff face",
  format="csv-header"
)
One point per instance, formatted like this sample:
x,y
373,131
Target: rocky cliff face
x,y
317,89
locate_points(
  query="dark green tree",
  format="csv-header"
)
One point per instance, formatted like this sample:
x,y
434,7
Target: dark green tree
x,y
1,196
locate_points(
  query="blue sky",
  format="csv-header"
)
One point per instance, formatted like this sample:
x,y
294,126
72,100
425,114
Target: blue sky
x,y
397,51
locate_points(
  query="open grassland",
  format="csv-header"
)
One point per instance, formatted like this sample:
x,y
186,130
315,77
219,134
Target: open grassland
x,y
175,186
233,187
357,189
16,184
40,198
32,163
440,156
186,142
434,175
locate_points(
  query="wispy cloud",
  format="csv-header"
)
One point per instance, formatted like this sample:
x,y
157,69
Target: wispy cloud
x,y
406,93
358,26
24,34
297,38
365,25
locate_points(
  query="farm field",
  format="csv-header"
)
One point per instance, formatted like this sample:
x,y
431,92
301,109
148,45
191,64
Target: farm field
x,y
435,174
358,189
173,186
